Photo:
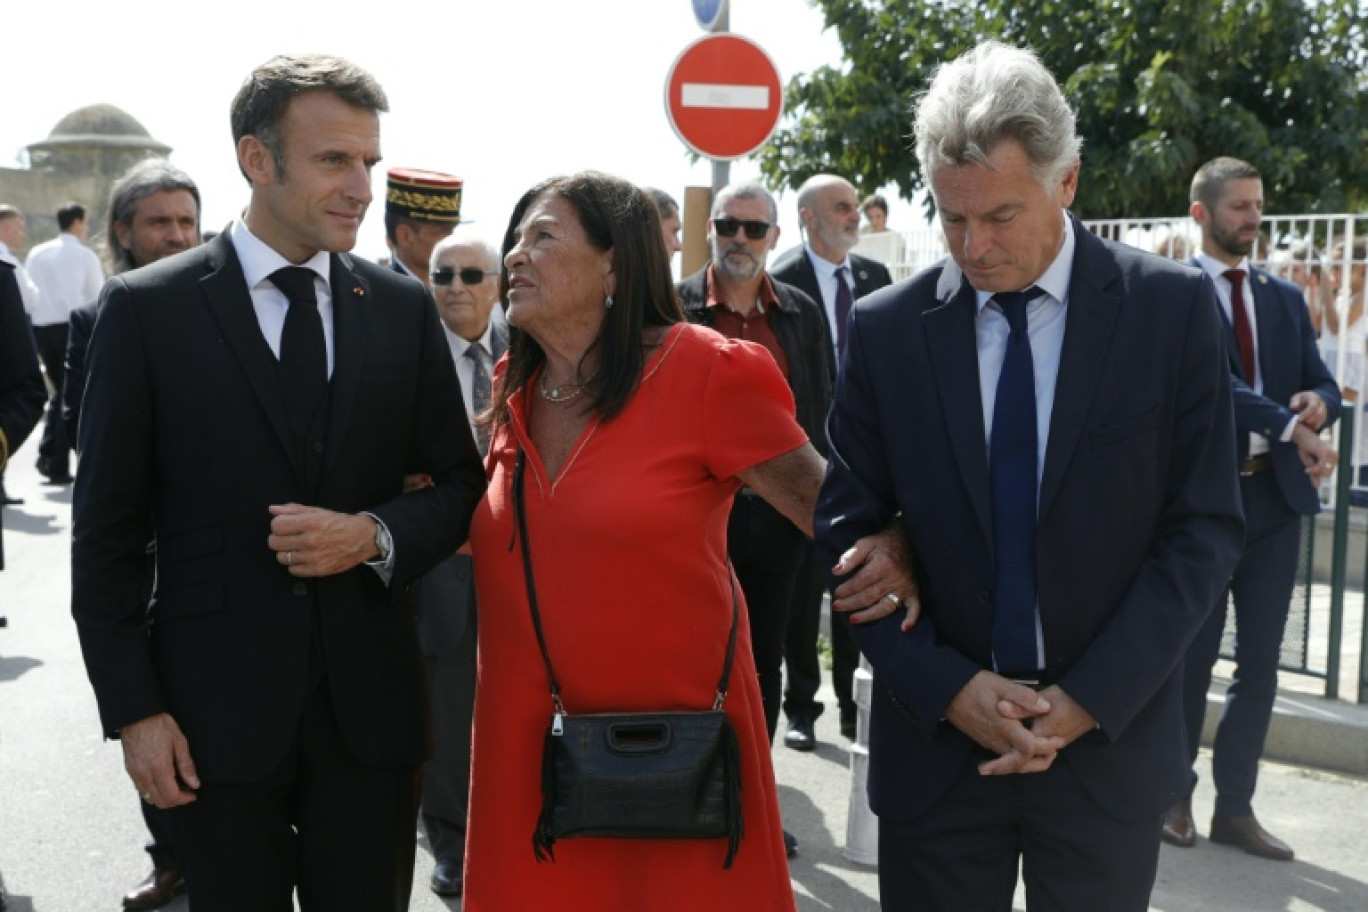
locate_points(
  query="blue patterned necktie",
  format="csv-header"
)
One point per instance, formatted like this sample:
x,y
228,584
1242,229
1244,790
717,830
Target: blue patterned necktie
x,y
479,392
1012,467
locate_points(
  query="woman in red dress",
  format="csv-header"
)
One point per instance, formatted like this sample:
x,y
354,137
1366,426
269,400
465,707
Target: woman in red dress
x,y
637,429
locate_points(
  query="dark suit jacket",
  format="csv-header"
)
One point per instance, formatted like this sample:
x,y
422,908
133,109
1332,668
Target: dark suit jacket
x,y
22,393
82,324
445,597
184,437
802,333
1290,362
1139,520
794,267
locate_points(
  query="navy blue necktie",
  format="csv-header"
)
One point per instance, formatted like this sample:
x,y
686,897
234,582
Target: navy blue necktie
x,y
1012,467
844,301
303,351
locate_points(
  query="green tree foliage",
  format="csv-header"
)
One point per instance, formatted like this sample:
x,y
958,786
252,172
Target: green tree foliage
x,y
1160,86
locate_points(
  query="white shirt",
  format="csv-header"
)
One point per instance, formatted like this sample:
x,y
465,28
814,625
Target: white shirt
x,y
826,281
1258,444
465,369
27,290
258,262
67,274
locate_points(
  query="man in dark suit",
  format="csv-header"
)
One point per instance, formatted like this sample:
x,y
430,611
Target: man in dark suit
x,y
153,214
826,270
1284,396
465,284
421,208
1049,416
256,404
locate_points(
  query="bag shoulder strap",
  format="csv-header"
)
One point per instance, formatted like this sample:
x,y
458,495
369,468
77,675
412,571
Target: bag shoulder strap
x,y
723,683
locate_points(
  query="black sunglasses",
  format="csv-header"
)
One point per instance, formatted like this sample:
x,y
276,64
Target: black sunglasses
x,y
726,227
470,275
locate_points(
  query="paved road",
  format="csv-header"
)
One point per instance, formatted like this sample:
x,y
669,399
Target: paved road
x,y
71,836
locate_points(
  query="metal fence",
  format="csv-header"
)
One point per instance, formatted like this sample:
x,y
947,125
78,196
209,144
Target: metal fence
x,y
1324,256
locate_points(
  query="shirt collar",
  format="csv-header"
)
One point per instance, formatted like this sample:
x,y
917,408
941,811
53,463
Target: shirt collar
x,y
459,343
1055,280
1216,269
824,268
765,295
259,259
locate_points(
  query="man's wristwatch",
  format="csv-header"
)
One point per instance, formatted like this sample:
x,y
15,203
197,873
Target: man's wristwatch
x,y
383,543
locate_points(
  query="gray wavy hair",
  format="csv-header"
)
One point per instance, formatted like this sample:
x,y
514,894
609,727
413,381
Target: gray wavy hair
x,y
991,94
149,176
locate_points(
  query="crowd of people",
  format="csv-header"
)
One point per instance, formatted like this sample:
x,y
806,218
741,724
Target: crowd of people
x,y
1028,477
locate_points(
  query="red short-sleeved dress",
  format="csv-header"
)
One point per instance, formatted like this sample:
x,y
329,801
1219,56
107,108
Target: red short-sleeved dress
x,y
629,547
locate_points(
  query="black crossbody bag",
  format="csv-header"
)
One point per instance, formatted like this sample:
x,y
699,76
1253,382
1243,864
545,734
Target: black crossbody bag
x,y
635,775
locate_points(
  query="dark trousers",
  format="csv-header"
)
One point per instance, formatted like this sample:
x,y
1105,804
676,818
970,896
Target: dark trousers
x,y
53,448
963,853
765,549
800,649
446,776
342,833
161,824
1261,589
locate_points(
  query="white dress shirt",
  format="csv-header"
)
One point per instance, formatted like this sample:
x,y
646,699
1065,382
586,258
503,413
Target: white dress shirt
x,y
28,291
258,262
826,281
67,274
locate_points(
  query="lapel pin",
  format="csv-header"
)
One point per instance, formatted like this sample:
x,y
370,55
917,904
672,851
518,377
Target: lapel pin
x,y
359,291
863,274
1263,280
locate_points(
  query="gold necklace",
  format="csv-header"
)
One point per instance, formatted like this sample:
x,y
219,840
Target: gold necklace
x,y
560,393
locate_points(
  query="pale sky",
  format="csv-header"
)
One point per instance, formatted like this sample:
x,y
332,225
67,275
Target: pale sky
x,y
501,94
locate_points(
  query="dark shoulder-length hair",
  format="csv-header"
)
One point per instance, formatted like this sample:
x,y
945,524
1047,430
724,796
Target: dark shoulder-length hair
x,y
617,216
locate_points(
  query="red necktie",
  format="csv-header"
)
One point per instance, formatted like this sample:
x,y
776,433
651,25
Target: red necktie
x,y
1244,336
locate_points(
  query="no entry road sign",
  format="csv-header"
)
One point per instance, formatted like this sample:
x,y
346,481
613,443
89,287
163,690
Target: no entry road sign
x,y
723,96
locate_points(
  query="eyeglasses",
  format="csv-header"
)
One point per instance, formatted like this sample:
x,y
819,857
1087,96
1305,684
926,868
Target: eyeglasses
x,y
470,275
726,227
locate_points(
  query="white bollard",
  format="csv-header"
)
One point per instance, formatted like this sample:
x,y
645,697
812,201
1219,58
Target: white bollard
x,y
862,827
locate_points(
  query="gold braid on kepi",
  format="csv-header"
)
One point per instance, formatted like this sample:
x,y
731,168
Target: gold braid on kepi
x,y
426,196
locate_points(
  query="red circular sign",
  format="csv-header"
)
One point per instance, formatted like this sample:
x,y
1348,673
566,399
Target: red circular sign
x,y
723,96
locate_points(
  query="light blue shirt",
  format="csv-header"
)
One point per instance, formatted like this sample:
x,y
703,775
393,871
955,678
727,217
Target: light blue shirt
x,y
1045,318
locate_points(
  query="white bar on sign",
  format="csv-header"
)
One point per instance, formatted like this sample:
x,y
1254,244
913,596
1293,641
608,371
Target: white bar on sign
x,y
709,95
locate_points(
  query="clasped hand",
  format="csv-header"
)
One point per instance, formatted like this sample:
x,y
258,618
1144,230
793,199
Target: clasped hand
x,y
311,541
1025,728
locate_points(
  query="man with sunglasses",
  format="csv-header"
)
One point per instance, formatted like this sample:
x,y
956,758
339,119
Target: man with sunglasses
x,y
738,298
465,284
835,278
421,208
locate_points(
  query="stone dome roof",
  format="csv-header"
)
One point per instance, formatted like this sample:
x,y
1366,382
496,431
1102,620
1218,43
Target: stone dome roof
x,y
100,125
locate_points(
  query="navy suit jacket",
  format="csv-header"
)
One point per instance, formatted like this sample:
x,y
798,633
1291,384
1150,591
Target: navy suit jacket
x,y
1139,523
1290,363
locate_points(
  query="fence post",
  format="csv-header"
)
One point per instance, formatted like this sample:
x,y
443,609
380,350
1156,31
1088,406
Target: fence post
x,y
1339,553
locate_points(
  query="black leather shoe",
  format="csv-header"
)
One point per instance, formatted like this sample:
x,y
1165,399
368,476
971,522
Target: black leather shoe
x,y
1245,833
790,844
1179,830
447,878
800,735
8,500
156,890
65,478
849,722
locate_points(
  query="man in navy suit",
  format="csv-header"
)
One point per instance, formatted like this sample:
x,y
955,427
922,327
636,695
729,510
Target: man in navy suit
x,y
1284,395
1048,414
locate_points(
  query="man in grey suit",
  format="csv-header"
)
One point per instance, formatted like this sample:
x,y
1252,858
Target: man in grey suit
x,y
465,283
835,278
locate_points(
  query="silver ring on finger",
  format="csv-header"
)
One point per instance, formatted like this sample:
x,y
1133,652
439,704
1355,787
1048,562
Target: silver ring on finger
x,y
289,558
893,597
147,796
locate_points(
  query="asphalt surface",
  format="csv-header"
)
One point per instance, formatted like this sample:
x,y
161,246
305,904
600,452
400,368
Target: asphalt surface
x,y
71,835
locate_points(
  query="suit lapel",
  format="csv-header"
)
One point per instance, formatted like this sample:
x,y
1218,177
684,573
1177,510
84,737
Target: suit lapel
x,y
351,300
1088,328
952,344
1232,345
230,302
863,283
1269,315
